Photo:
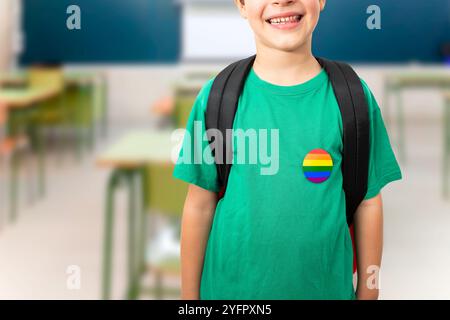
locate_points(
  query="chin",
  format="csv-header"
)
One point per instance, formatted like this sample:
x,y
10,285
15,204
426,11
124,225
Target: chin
x,y
288,45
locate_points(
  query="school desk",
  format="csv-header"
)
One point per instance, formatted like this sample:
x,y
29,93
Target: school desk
x,y
20,106
13,79
395,83
85,98
130,159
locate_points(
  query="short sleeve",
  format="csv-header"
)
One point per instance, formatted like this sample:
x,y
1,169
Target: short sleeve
x,y
383,166
195,163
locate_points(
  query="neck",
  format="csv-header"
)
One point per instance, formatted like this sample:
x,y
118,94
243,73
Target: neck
x,y
285,68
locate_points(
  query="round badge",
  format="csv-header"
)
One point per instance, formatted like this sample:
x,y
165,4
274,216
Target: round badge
x,y
317,165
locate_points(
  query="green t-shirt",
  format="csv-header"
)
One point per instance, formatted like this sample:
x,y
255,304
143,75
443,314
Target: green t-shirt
x,y
283,235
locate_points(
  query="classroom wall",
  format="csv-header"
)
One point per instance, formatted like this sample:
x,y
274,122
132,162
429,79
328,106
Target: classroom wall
x,y
227,36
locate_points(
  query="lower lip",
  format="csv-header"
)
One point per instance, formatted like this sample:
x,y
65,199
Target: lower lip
x,y
286,26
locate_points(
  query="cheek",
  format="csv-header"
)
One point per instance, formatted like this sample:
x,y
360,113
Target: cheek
x,y
255,17
311,5
313,11
255,12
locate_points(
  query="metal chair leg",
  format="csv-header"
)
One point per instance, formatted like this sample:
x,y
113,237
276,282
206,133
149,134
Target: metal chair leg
x,y
13,185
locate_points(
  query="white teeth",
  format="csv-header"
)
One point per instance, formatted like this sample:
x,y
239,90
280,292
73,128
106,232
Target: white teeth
x,y
284,20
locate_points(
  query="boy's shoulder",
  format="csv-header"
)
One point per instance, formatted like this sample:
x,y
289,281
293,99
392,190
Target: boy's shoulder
x,y
203,94
206,88
371,101
366,87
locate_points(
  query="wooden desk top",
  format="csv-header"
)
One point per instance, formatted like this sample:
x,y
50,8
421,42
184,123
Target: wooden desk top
x,y
70,78
416,78
22,98
81,78
139,148
13,78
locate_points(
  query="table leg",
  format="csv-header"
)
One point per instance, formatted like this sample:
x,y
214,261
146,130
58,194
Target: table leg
x,y
135,213
401,126
29,175
14,127
62,103
79,123
36,135
386,103
143,223
13,185
133,275
137,234
35,149
446,160
3,183
41,149
104,112
89,96
108,234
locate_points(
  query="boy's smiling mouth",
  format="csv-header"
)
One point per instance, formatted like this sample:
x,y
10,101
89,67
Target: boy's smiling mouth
x,y
285,21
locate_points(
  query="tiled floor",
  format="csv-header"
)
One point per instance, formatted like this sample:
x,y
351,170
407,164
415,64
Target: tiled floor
x,y
65,229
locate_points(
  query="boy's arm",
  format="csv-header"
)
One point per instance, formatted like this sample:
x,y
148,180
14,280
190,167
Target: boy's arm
x,y
369,246
196,222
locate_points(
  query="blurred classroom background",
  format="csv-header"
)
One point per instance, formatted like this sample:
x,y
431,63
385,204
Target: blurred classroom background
x,y
88,207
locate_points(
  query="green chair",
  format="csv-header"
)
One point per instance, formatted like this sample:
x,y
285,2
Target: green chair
x,y
53,113
101,104
87,93
79,102
184,100
165,195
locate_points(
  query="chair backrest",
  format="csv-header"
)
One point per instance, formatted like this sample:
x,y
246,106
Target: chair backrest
x,y
184,99
43,76
3,119
164,193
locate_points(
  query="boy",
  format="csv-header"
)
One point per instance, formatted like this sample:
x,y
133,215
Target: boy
x,y
282,234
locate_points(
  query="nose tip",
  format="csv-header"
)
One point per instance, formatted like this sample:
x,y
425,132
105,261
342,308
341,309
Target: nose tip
x,y
283,2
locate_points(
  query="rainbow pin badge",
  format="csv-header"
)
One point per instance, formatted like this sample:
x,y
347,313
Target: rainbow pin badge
x,y
317,165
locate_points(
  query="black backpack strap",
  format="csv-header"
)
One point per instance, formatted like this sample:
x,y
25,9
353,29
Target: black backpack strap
x,y
221,109
355,118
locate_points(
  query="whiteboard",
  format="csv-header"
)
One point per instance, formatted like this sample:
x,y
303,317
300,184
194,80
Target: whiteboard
x,y
215,33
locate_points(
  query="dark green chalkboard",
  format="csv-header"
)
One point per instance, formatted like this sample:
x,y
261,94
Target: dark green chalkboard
x,y
410,31
112,31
